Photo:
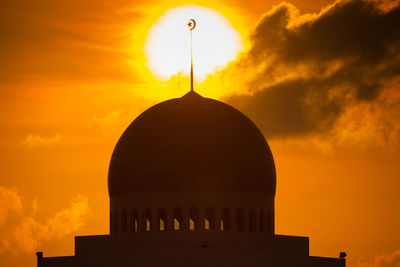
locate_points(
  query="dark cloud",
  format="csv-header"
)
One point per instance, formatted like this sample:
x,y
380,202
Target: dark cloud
x,y
303,72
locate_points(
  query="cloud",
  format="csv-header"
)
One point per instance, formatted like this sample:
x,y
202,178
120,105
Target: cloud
x,y
392,260
9,202
111,123
307,74
385,260
39,141
66,221
22,231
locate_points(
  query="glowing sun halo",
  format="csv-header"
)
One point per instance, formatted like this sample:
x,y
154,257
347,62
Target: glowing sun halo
x,y
215,42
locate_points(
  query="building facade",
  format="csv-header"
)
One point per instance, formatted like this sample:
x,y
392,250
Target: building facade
x,y
191,183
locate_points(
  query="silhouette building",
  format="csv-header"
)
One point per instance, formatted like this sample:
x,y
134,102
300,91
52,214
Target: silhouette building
x,y
191,183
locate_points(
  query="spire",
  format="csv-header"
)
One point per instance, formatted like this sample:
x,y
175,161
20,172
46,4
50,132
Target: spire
x,y
191,25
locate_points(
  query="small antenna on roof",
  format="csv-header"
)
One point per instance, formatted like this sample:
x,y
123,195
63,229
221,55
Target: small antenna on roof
x,y
191,25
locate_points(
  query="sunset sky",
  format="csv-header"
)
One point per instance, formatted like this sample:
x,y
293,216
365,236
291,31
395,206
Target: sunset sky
x,y
321,79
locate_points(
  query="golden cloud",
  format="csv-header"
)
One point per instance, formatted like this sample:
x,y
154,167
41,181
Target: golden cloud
x,y
40,141
21,231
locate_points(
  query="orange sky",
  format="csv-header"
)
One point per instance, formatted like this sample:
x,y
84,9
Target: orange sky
x,y
74,75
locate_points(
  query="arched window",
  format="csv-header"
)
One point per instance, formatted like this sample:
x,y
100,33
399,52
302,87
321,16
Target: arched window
x,y
206,224
252,221
162,220
123,222
116,222
147,216
225,220
239,220
194,219
210,219
269,223
262,221
177,219
134,224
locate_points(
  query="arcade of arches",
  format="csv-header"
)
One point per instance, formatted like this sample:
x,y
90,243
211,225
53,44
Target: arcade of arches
x,y
146,221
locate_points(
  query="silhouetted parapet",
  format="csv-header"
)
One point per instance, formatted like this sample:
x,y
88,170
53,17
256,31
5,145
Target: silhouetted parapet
x,y
236,249
66,261
191,242
326,262
191,248
39,256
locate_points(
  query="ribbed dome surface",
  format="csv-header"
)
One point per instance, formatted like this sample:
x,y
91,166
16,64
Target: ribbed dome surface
x,y
191,143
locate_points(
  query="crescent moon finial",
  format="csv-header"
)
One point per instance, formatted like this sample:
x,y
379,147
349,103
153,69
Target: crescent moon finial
x,y
191,24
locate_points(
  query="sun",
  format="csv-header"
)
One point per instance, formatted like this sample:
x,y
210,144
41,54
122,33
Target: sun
x,y
167,48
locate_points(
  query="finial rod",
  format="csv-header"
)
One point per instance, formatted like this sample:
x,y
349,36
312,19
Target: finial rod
x,y
191,62
191,25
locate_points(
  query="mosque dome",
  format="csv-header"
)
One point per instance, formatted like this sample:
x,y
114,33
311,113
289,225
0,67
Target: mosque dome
x,y
191,143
